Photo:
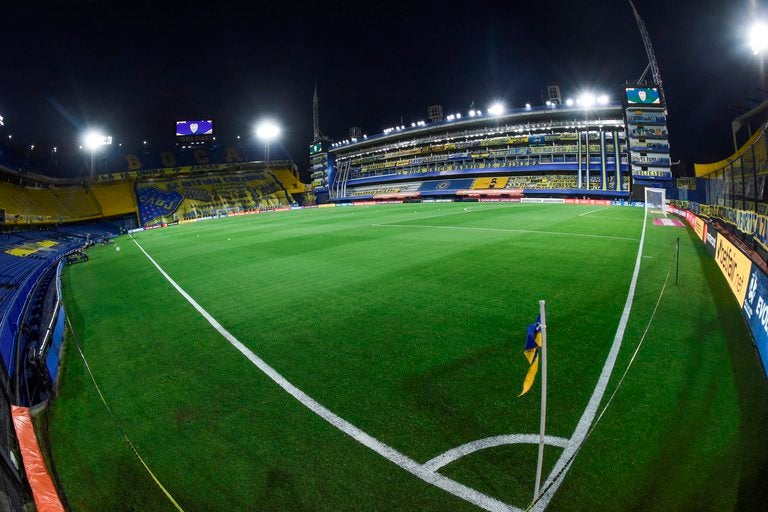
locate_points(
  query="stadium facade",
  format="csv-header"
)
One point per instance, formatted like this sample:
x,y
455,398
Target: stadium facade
x,y
585,149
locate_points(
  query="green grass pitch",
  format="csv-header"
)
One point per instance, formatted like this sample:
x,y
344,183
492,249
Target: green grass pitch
x,y
407,321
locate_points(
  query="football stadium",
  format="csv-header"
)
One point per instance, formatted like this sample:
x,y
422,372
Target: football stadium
x,y
506,308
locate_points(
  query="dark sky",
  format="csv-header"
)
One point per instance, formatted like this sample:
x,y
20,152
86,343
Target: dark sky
x,y
132,68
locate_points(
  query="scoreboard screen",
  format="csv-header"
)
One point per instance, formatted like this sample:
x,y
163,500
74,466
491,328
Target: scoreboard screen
x,y
643,96
191,128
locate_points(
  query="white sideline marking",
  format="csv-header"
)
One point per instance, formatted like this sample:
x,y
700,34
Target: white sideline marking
x,y
561,233
582,427
454,454
593,211
419,470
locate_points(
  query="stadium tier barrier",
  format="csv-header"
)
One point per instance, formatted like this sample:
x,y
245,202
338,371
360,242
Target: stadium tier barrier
x,y
748,280
515,186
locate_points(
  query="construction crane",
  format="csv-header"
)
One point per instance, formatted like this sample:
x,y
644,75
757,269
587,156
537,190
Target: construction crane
x,y
652,66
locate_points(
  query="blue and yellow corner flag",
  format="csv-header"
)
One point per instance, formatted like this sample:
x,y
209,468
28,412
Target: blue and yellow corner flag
x,y
532,350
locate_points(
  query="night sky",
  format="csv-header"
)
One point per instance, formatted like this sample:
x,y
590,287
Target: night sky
x,y
132,68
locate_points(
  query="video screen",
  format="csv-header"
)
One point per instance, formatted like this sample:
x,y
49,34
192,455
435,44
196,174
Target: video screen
x,y
200,127
643,96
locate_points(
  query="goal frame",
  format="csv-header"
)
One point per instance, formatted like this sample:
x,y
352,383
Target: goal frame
x,y
649,204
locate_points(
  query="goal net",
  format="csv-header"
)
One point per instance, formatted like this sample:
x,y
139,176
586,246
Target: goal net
x,y
656,200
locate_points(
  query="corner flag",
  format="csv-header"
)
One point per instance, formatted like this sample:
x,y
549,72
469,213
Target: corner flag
x,y
531,352
535,348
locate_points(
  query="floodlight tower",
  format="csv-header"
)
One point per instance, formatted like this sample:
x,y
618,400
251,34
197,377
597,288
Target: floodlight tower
x,y
652,66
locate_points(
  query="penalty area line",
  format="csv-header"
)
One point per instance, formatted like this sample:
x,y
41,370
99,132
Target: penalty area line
x,y
593,211
403,461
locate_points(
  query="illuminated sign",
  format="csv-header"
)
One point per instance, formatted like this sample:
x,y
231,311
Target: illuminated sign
x,y
199,127
643,96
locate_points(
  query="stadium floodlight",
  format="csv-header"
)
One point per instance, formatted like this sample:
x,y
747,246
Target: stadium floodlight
x,y
93,140
569,102
472,113
586,100
10,136
528,106
267,130
758,37
450,117
496,109
602,99
2,123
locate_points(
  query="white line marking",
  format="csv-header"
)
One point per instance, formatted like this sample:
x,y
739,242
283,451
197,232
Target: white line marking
x,y
386,451
593,211
560,233
601,217
470,209
597,395
454,454
634,354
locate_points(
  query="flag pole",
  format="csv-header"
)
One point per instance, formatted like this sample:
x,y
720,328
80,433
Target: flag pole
x,y
543,315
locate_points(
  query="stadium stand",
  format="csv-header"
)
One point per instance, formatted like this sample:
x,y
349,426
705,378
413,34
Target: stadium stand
x,y
115,198
37,205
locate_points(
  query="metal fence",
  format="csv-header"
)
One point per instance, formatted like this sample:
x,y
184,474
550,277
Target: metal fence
x,y
740,182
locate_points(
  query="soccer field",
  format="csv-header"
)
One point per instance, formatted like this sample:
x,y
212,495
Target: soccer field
x,y
394,335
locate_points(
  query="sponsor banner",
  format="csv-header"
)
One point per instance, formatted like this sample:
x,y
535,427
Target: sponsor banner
x,y
755,311
735,266
437,201
699,227
327,205
540,200
599,202
499,200
711,241
482,183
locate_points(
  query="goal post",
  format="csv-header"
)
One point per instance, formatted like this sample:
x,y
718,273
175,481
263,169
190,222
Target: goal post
x,y
656,200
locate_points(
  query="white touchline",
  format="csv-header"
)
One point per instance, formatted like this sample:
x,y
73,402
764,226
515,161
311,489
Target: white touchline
x,y
582,427
455,454
419,470
559,233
